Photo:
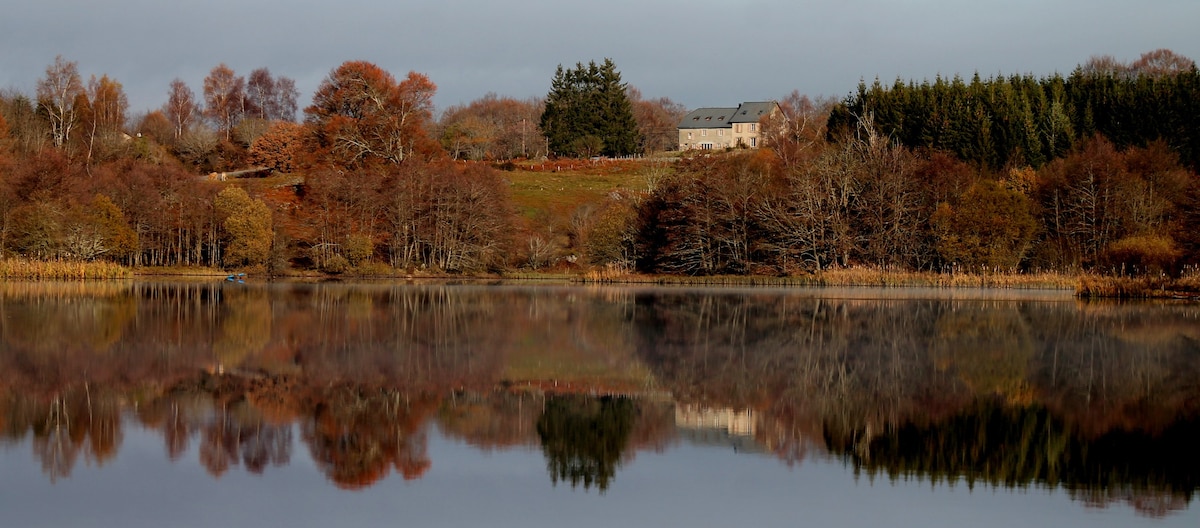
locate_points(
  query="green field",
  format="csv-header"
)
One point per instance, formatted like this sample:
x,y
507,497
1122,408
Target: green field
x,y
553,190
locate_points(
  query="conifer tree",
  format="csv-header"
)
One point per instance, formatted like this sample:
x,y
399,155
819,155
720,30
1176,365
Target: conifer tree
x,y
588,112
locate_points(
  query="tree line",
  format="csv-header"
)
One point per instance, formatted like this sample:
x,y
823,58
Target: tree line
x,y
870,201
1090,173
82,179
1022,120
1094,171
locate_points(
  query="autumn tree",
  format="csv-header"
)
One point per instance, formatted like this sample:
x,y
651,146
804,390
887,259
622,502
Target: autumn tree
x,y
588,112
989,228
155,126
1104,66
96,230
104,117
247,225
35,230
196,146
492,127
224,99
807,217
1161,62
6,145
702,220
270,98
57,93
28,130
797,131
181,107
657,121
361,115
892,221
443,217
278,148
609,238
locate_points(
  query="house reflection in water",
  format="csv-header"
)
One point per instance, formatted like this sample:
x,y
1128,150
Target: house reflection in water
x,y
718,426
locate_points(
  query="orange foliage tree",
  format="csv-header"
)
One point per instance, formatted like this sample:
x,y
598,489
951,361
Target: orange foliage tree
x,y
492,128
360,115
277,148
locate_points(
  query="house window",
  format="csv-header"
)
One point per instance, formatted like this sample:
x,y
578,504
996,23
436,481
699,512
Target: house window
x,y
706,146
703,133
737,129
753,142
720,133
752,127
689,135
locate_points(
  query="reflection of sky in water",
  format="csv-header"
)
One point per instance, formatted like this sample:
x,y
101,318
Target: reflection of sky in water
x,y
685,485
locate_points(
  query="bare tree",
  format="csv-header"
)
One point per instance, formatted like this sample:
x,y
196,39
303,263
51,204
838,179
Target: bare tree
x,y
181,107
286,95
1104,65
28,131
57,92
657,121
260,94
105,113
224,98
1161,63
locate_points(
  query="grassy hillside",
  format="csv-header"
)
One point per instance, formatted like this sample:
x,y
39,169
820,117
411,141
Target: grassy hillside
x,y
555,189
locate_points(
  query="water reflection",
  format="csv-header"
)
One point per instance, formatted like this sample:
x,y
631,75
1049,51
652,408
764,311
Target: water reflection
x,y
1018,447
1097,399
583,438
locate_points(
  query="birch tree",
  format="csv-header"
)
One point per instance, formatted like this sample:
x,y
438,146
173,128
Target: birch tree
x,y
56,94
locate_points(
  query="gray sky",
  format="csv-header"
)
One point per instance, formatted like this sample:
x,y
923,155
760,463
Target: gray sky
x,y
697,52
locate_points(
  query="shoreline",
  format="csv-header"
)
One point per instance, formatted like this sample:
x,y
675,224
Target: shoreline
x,y
1084,285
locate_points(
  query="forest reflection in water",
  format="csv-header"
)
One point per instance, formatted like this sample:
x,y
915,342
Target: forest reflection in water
x,y
1013,390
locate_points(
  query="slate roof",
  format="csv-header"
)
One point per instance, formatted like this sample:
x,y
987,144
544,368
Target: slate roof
x,y
725,117
707,118
752,112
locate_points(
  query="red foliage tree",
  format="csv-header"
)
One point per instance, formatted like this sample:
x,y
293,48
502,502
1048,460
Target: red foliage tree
x,y
278,148
360,116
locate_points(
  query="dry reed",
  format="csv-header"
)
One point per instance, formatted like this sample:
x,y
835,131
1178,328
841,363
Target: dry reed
x,y
856,276
24,269
1146,287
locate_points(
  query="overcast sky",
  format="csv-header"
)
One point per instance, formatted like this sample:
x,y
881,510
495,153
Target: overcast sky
x,y
697,52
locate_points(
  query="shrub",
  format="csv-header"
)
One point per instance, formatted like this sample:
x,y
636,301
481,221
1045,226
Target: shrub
x,y
1142,255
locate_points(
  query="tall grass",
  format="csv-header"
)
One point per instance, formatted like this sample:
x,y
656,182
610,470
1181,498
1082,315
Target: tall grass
x,y
18,268
856,276
1144,287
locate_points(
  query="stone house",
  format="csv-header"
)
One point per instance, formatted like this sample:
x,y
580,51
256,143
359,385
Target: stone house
x,y
720,128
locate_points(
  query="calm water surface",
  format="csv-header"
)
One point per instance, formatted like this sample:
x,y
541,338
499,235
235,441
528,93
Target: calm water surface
x,y
207,404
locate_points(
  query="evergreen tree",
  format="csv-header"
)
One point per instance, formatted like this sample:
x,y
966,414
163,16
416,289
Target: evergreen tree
x,y
999,121
587,112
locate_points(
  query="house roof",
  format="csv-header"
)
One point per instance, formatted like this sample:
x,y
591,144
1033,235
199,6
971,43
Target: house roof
x,y
752,112
725,117
708,118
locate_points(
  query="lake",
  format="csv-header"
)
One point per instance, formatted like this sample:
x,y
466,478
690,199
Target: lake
x,y
209,403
